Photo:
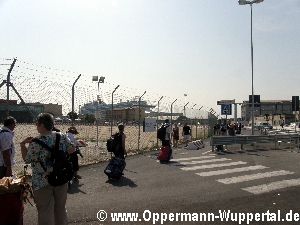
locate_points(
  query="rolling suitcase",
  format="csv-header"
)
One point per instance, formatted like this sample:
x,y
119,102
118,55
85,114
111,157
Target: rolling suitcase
x,y
115,167
11,210
164,154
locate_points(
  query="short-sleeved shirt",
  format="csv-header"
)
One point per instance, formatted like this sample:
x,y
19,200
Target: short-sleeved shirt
x,y
186,130
6,142
72,138
36,153
168,130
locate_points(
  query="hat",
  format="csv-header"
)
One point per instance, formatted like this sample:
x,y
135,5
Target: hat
x,y
73,129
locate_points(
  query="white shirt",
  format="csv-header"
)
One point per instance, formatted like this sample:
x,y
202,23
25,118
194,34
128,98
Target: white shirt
x,y
168,130
6,142
72,138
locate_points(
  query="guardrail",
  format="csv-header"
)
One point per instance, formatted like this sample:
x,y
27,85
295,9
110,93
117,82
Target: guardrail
x,y
249,139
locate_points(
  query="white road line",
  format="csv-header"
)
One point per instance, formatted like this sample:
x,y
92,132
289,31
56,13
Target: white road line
x,y
264,188
191,158
213,165
234,170
205,161
256,176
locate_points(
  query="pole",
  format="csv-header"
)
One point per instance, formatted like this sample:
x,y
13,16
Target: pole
x,y
184,108
172,112
112,109
252,124
157,120
73,99
139,136
7,86
295,112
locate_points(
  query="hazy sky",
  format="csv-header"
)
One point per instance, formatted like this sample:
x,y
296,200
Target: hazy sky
x,y
168,47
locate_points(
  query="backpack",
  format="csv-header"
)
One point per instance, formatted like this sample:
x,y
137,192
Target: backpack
x,y
114,143
62,168
161,132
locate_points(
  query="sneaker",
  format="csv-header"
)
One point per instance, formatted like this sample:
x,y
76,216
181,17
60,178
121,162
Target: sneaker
x,y
77,177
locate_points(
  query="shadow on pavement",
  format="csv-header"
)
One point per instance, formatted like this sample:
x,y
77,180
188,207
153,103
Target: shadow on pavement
x,y
74,187
124,181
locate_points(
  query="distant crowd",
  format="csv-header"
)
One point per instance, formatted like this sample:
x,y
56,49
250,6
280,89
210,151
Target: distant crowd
x,y
230,129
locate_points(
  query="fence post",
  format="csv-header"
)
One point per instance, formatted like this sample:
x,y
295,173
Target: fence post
x,y
73,99
112,109
157,120
139,136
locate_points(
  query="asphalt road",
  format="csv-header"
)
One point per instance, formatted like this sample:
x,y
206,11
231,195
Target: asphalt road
x,y
252,181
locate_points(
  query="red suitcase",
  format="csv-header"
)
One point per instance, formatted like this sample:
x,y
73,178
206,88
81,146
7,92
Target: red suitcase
x,y
164,153
11,210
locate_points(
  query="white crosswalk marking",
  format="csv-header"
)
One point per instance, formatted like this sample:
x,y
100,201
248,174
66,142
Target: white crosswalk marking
x,y
234,170
264,188
213,165
238,179
210,162
192,158
205,161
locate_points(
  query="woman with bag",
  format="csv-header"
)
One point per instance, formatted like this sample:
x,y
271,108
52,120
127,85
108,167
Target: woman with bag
x,y
175,135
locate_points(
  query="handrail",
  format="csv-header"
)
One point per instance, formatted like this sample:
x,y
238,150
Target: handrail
x,y
248,139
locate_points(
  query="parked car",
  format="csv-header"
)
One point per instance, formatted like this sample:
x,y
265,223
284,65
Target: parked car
x,y
263,125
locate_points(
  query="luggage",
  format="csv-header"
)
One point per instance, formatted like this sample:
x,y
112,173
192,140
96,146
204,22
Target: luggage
x,y
164,154
11,210
115,167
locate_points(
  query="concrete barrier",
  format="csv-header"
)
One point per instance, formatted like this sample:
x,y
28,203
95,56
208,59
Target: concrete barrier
x,y
195,145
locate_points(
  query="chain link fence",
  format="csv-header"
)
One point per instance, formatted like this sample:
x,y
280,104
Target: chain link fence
x,y
27,90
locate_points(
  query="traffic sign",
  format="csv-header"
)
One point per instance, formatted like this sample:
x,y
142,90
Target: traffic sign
x,y
226,109
221,102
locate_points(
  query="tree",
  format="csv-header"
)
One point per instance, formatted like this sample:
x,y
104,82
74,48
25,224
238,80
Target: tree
x,y
90,118
75,115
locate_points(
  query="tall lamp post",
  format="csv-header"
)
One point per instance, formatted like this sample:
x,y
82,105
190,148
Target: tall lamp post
x,y
112,109
97,114
139,136
244,2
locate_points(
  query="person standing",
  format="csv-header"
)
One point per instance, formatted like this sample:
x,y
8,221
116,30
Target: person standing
x,y
166,141
121,151
7,147
74,156
175,135
186,133
50,200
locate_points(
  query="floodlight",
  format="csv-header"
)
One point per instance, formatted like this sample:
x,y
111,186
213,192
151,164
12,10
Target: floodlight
x,y
242,2
101,80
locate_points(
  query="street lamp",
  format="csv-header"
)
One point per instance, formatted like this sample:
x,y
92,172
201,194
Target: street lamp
x,y
112,109
244,2
97,114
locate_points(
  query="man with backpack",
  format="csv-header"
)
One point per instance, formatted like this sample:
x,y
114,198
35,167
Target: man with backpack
x,y
120,150
7,148
164,134
166,140
50,199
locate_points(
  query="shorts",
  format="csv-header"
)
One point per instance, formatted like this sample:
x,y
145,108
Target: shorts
x,y
186,137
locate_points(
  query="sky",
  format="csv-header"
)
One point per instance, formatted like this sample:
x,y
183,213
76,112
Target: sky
x,y
200,48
